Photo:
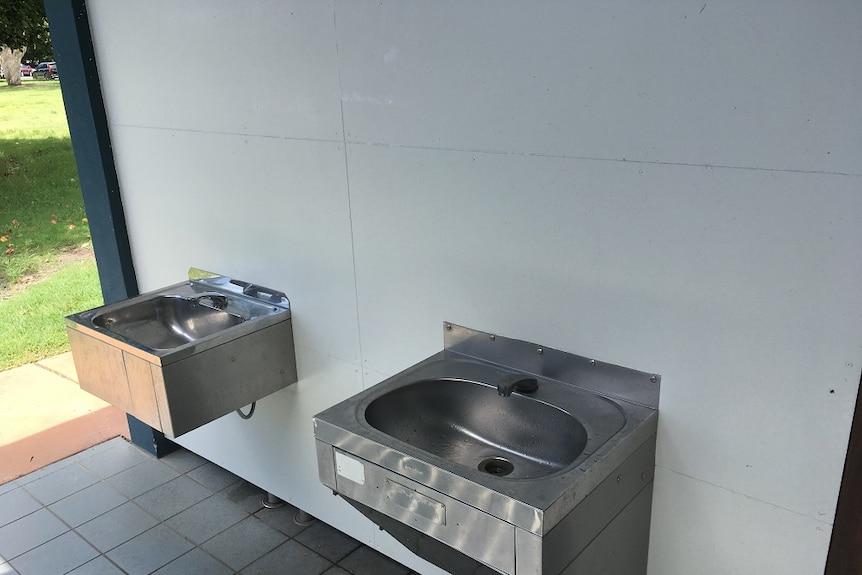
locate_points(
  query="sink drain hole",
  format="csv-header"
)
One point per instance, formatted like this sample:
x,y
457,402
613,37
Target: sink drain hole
x,y
496,466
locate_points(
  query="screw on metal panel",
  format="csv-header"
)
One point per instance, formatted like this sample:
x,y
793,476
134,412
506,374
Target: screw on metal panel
x,y
448,326
619,478
593,362
540,350
653,378
493,337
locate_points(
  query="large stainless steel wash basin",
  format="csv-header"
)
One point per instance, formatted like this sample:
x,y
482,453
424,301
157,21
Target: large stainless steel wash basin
x,y
181,356
469,423
476,475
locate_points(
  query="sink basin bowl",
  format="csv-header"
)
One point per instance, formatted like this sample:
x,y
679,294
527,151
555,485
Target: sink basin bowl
x,y
167,321
470,424
181,356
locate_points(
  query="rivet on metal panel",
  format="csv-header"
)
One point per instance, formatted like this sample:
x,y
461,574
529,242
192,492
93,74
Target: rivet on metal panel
x,y
593,362
619,478
493,337
449,326
540,350
653,378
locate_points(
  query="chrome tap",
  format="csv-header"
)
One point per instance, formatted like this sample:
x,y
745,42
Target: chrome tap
x,y
216,300
519,384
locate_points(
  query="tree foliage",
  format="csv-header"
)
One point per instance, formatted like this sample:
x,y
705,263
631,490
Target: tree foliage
x,y
23,30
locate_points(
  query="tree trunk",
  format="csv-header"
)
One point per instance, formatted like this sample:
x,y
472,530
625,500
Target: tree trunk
x,y
10,63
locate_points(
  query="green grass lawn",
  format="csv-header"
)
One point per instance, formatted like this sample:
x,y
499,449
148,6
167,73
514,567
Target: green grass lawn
x,y
31,321
41,215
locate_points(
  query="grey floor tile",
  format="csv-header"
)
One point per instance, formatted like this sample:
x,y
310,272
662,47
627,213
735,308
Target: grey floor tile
x,y
149,551
114,459
207,519
47,470
289,557
57,556
246,495
240,545
29,532
367,561
183,460
282,519
211,475
173,497
117,526
142,477
86,504
327,541
98,566
193,563
16,504
7,487
61,483
90,451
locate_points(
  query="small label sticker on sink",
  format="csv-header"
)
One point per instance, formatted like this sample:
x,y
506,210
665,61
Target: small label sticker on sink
x,y
349,468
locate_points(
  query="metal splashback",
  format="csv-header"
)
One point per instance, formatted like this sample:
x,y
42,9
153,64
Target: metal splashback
x,y
605,379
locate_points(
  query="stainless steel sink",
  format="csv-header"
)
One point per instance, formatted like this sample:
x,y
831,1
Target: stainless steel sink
x,y
477,475
468,423
168,321
181,356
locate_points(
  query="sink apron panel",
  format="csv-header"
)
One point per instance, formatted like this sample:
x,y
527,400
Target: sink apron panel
x,y
470,530
188,393
116,376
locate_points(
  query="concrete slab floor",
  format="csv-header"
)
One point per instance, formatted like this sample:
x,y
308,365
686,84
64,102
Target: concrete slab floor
x,y
45,417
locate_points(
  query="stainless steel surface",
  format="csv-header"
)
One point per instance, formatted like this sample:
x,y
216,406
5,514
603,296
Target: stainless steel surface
x,y
442,517
467,422
168,321
606,379
528,462
181,356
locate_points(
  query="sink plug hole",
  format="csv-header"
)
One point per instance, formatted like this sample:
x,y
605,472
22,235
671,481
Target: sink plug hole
x,y
496,466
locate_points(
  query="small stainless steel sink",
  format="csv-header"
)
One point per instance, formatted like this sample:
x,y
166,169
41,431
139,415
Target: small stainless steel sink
x,y
167,321
181,356
477,475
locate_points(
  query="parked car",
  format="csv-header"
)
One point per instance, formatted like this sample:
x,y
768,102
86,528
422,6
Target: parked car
x,y
46,70
26,70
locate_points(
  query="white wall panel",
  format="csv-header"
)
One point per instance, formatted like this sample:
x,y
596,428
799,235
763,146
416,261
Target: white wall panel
x,y
765,84
702,528
209,66
542,171
705,275
270,211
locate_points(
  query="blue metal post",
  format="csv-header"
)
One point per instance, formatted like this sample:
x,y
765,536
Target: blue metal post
x,y
91,141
